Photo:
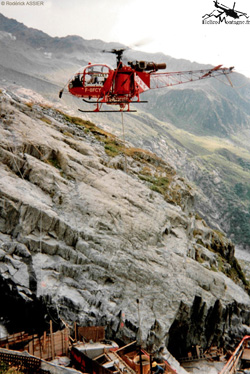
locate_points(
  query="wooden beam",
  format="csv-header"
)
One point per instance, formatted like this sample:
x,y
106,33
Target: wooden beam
x,y
52,341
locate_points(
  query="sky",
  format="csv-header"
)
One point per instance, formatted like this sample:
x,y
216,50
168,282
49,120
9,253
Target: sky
x,y
173,27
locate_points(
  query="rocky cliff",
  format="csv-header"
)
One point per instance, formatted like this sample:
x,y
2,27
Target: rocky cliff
x,y
101,233
201,128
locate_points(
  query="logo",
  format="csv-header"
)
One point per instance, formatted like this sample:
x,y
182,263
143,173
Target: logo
x,y
225,14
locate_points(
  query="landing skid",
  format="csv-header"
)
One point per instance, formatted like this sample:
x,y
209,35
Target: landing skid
x,y
121,103
107,111
113,102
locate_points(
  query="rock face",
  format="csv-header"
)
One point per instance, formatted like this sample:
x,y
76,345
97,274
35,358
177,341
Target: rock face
x,y
202,129
102,235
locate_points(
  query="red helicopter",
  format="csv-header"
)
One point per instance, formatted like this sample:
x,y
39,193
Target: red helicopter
x,y
100,84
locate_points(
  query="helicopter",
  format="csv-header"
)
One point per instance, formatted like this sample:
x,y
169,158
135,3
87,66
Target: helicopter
x,y
231,12
100,84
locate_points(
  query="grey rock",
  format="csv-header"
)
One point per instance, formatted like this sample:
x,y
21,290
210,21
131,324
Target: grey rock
x,y
89,240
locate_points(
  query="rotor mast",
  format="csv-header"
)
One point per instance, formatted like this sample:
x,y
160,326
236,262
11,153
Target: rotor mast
x,y
118,53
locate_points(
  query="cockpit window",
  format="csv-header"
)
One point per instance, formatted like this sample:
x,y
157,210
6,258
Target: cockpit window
x,y
95,75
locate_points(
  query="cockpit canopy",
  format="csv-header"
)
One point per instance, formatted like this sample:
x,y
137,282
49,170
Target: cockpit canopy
x,y
96,74
91,75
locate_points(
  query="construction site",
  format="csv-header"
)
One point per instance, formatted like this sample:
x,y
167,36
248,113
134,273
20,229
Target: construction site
x,y
86,350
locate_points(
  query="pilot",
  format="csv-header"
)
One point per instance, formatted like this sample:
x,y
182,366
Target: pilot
x,y
77,81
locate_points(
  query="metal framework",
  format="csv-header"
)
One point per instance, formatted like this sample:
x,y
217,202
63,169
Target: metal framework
x,y
232,364
160,80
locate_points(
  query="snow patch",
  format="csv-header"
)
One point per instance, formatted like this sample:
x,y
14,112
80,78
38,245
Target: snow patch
x,y
6,35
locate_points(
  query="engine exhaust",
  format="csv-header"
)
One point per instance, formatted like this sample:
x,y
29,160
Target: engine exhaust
x,y
146,66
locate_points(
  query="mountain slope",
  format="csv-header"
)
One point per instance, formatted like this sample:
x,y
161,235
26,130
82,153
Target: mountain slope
x,y
201,129
88,226
202,111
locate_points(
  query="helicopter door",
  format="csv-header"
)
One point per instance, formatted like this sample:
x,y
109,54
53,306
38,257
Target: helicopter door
x,y
95,75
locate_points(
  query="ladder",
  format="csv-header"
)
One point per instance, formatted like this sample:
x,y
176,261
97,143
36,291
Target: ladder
x,y
121,366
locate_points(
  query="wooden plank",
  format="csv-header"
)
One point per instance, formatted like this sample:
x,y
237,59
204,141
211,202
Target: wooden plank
x,y
76,330
48,345
246,354
94,333
62,341
15,339
52,340
30,345
66,337
44,341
